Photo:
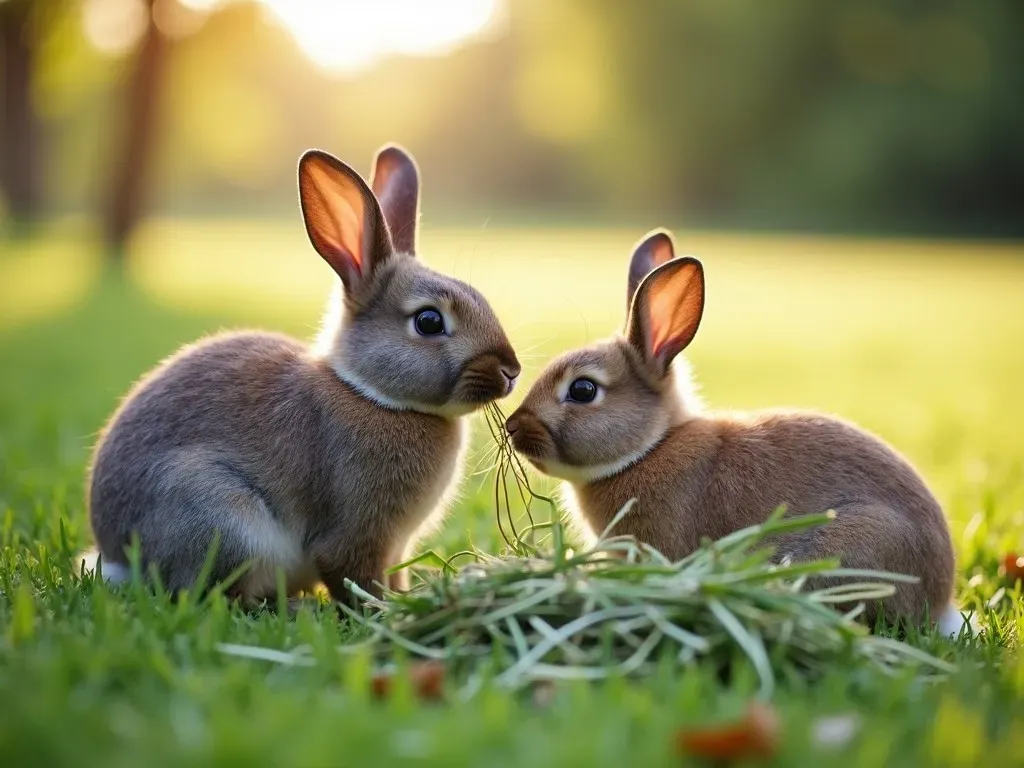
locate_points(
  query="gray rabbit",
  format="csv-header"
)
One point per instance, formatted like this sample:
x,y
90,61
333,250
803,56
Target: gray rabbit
x,y
324,461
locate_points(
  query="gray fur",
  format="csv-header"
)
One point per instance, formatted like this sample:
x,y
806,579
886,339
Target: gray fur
x,y
324,462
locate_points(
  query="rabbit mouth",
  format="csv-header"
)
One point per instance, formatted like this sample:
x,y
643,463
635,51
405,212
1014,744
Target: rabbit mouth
x,y
532,439
485,380
479,389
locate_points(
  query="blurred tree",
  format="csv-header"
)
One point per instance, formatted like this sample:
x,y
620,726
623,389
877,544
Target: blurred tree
x,y
18,129
133,148
880,115
818,114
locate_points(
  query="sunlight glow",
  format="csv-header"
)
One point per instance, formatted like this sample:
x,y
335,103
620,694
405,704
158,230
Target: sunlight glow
x,y
114,26
351,35
343,36
201,5
177,19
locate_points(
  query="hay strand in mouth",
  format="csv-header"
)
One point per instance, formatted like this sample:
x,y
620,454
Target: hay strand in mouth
x,y
509,463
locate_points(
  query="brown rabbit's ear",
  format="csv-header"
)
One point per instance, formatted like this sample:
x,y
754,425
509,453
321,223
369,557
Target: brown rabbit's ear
x,y
396,183
654,250
343,219
666,311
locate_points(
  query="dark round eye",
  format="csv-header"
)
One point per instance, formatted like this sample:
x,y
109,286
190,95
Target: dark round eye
x,y
582,391
429,323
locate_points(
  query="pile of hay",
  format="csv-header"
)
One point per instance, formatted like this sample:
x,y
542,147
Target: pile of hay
x,y
621,609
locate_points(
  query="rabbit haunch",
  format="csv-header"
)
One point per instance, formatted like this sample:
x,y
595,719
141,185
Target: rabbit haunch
x,y
641,434
325,462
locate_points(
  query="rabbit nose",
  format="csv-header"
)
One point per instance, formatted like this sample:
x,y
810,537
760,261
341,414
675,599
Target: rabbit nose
x,y
511,376
512,425
509,364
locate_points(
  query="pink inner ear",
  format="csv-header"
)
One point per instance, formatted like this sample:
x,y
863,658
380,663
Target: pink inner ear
x,y
350,233
335,217
661,251
674,308
654,251
663,331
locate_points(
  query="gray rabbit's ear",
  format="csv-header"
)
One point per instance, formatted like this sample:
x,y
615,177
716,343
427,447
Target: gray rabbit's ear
x,y
666,311
654,250
343,218
396,183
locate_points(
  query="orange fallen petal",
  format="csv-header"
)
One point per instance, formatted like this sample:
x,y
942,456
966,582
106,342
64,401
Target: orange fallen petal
x,y
1014,567
427,678
380,684
756,735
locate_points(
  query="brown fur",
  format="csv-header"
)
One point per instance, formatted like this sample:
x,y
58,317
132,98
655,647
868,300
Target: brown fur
x,y
698,475
322,462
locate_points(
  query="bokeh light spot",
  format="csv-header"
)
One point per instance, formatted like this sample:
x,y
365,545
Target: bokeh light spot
x,y
176,19
114,27
349,36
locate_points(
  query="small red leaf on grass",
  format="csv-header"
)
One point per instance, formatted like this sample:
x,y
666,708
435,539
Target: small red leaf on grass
x,y
1014,567
427,678
756,735
380,684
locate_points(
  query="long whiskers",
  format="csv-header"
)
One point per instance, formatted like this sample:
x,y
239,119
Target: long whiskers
x,y
486,461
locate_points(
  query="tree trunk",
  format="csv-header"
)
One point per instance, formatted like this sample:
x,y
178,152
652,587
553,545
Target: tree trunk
x,y
132,154
18,129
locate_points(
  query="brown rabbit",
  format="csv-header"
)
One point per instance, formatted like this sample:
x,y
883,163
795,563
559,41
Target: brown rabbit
x,y
618,421
325,462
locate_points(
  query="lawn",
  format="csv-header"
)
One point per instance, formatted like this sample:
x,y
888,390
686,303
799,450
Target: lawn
x,y
919,342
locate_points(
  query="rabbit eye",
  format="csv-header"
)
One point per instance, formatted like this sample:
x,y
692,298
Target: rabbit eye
x,y
429,322
582,391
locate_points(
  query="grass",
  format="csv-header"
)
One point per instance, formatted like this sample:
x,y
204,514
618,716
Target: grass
x,y
919,342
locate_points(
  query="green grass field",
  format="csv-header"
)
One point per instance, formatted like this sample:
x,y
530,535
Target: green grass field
x,y
919,342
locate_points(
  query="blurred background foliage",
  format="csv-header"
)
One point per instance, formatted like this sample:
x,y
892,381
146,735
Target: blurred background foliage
x,y
888,117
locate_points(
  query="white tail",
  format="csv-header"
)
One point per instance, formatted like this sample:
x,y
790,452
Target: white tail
x,y
113,573
951,623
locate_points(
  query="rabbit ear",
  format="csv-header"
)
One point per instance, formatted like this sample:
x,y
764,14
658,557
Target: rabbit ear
x,y
396,183
654,250
666,311
343,219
